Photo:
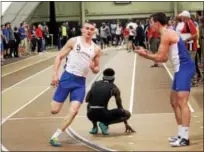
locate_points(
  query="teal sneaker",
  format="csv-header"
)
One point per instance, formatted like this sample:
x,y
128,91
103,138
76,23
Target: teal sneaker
x,y
94,131
103,128
55,142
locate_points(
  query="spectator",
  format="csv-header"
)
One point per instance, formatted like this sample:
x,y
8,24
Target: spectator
x,y
125,35
33,39
17,42
60,38
171,24
64,34
118,34
2,45
6,40
23,37
78,29
191,39
139,40
201,30
96,34
45,38
39,36
104,35
12,40
73,32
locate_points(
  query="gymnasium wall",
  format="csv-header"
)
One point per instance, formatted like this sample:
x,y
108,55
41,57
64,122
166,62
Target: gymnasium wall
x,y
70,11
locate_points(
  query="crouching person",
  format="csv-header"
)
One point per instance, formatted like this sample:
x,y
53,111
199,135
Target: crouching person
x,y
97,108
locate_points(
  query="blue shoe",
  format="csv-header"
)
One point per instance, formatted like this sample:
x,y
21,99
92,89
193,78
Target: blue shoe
x,y
94,131
55,142
103,128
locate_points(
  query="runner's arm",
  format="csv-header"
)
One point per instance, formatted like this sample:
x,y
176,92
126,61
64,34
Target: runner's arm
x,y
162,54
95,67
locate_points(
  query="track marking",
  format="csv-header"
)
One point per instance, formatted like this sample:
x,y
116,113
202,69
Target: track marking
x,y
27,66
39,118
133,85
26,79
19,61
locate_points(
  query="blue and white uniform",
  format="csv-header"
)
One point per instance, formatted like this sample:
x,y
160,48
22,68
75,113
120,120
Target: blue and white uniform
x,y
73,80
183,65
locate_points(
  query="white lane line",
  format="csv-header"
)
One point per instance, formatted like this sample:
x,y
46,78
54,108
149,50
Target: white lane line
x,y
79,140
86,140
133,85
27,66
171,76
19,61
3,148
40,118
152,114
26,79
29,102
22,107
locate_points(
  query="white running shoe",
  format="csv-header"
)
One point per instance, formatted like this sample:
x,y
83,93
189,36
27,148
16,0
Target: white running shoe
x,y
180,142
173,139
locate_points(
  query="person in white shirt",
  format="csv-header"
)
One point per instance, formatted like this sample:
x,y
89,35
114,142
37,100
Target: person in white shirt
x,y
132,26
83,54
95,35
118,34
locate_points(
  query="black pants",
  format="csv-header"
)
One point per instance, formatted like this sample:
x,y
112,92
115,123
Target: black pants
x,y
16,48
106,116
64,40
12,47
139,41
198,53
118,37
39,45
104,41
34,44
196,64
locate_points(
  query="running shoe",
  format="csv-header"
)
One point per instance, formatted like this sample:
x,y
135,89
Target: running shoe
x,y
55,142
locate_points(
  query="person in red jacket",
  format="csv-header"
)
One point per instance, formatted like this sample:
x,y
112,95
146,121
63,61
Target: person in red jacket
x,y
125,35
39,35
191,41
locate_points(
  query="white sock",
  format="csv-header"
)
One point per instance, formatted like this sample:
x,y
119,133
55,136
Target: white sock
x,y
185,132
180,130
57,133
